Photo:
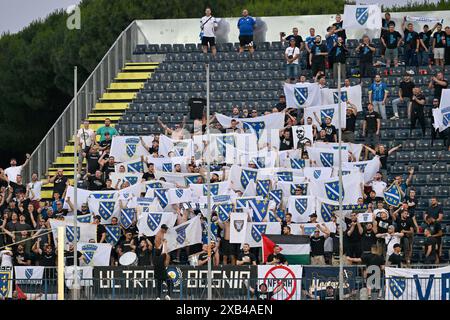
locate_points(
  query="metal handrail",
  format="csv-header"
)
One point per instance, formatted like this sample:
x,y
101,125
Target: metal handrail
x,y
59,121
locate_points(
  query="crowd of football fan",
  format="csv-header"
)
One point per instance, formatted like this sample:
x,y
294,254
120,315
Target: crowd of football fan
x,y
24,223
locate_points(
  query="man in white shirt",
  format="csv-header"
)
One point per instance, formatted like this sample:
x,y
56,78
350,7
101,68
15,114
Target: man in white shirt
x,y
291,54
14,170
34,189
208,27
390,238
378,185
6,257
86,138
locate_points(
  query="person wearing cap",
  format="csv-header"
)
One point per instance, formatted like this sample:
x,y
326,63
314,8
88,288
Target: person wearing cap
x,y
291,55
405,93
395,259
106,128
312,218
317,243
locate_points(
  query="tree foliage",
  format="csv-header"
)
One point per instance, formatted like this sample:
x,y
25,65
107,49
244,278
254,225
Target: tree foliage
x,y
36,64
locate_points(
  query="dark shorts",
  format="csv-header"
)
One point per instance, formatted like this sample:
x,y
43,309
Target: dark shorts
x,y
228,249
209,40
246,41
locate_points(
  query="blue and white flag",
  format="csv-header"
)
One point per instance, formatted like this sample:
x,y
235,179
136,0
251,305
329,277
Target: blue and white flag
x,y
28,275
6,281
367,17
178,195
325,111
260,209
105,208
150,223
161,196
276,196
301,95
392,195
95,254
325,157
218,188
301,207
86,231
240,177
317,173
224,210
132,166
131,177
185,234
263,187
368,168
289,188
352,94
417,284
127,217
179,148
113,234
329,188
126,148
243,202
442,114
255,231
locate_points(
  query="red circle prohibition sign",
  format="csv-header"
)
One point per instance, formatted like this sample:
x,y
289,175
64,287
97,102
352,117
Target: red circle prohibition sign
x,y
289,272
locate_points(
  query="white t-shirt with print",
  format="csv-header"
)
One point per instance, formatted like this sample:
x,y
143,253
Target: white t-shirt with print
x,y
12,173
292,52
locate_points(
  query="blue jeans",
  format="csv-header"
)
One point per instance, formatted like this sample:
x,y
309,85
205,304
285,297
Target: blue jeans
x,y
410,57
292,70
422,58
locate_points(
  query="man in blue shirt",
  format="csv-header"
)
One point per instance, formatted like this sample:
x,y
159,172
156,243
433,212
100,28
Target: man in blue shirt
x,y
378,93
309,40
246,25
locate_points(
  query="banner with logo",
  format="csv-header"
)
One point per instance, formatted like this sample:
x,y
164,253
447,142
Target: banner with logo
x,y
95,254
185,234
29,275
238,227
6,281
417,284
301,95
317,173
188,280
368,168
178,195
362,17
84,276
352,94
132,166
301,207
317,279
353,148
324,111
288,277
175,148
442,114
329,188
105,208
255,230
326,157
131,177
149,223
86,231
126,148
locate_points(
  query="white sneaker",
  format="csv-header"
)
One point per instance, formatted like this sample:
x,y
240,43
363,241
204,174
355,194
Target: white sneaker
x,y
158,298
167,297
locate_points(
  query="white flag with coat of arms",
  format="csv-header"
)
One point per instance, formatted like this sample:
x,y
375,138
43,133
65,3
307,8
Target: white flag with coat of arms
x,y
326,157
185,234
329,188
301,207
149,223
301,95
105,208
324,111
28,274
86,231
126,148
352,94
179,195
362,17
95,254
255,230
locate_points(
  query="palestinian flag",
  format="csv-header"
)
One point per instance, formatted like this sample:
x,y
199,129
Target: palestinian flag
x,y
295,248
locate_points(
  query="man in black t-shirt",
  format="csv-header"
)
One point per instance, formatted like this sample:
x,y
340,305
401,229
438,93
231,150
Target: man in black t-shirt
x,y
365,51
276,257
317,243
59,182
105,145
430,248
438,45
435,229
438,83
395,259
405,225
330,130
246,258
405,93
95,182
371,127
348,134
340,32
317,56
425,45
352,237
92,159
391,40
263,293
108,166
101,230
299,43
417,114
286,140
412,43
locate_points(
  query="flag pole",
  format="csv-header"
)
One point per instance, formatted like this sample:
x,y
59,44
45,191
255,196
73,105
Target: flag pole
x,y
76,286
341,218
208,178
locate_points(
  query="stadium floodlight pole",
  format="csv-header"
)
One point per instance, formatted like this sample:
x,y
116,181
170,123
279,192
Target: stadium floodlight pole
x,y
341,218
208,177
76,285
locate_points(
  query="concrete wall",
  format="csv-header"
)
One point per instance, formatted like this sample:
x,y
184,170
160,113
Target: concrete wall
x,y
268,28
